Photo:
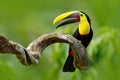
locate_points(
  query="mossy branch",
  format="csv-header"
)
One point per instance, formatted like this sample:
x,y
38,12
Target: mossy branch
x,y
33,52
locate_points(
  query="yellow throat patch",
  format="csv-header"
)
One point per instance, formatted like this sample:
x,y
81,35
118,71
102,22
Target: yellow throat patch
x,y
84,26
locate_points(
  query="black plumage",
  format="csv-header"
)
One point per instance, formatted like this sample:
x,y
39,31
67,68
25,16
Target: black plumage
x,y
85,39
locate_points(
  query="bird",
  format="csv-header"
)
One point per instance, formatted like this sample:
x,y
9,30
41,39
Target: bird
x,y
84,32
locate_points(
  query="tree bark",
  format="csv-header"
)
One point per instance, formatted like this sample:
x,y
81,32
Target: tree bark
x,y
33,52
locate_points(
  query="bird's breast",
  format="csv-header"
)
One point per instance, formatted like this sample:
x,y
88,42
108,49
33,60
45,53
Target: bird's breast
x,y
84,27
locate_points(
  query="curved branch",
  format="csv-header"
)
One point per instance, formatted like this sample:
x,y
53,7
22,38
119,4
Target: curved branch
x,y
33,52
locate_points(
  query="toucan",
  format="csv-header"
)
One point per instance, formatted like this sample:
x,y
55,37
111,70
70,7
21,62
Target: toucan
x,y
83,32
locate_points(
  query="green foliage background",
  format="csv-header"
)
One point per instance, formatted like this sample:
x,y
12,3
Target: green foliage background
x,y
24,20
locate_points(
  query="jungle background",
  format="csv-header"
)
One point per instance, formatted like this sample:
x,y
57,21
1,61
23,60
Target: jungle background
x,y
23,21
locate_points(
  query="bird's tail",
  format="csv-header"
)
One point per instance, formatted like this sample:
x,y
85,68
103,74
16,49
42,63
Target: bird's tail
x,y
68,66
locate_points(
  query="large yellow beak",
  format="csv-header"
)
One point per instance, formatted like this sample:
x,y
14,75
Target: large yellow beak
x,y
68,17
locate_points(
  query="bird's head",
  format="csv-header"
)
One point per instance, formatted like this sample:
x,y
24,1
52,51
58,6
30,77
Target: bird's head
x,y
72,17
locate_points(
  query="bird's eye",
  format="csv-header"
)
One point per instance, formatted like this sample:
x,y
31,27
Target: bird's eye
x,y
81,15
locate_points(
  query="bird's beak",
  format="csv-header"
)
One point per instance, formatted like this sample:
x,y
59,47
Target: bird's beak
x,y
67,18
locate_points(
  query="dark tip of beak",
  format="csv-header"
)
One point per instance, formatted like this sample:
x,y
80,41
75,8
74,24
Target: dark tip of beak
x,y
68,22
